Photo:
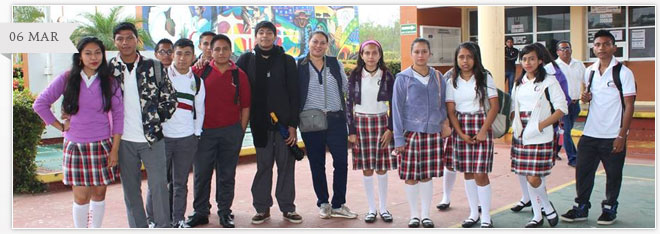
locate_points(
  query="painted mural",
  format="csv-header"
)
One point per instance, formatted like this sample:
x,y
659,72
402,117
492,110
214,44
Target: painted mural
x,y
294,25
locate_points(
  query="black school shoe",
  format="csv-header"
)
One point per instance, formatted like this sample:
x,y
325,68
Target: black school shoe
x,y
427,223
196,220
534,223
443,206
521,205
469,222
413,223
386,216
227,221
553,221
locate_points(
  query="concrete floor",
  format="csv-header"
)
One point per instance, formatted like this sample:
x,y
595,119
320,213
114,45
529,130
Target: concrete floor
x,y
637,199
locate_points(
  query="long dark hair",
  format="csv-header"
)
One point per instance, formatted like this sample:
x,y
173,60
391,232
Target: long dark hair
x,y
540,71
72,89
545,54
478,70
356,73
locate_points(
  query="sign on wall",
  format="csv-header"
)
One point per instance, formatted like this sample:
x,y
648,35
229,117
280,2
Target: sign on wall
x,y
444,41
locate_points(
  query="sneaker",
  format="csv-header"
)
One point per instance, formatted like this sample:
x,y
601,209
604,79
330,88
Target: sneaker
x,y
259,218
181,224
325,211
292,217
152,225
608,216
343,212
578,213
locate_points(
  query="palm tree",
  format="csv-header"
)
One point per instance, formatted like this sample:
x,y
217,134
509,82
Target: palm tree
x,y
101,26
28,14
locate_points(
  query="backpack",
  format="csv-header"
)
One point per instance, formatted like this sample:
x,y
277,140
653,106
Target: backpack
x,y
207,71
502,123
616,76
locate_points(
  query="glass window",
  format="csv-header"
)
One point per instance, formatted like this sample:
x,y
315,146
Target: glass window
x,y
642,43
521,39
550,40
474,23
619,35
474,39
518,20
641,16
606,17
553,18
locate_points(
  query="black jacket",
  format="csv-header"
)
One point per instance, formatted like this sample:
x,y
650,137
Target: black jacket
x,y
281,96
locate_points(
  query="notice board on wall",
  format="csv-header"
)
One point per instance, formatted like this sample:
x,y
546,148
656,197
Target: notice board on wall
x,y
444,41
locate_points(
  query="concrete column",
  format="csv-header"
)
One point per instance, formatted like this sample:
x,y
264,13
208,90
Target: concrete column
x,y
408,16
491,41
465,24
579,32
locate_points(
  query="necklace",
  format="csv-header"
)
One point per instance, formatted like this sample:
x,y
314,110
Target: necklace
x,y
371,72
427,72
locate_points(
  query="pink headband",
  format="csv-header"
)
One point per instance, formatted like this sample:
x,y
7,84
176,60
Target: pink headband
x,y
374,42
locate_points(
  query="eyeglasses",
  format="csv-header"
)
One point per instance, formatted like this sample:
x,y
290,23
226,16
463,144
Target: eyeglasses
x,y
564,48
165,52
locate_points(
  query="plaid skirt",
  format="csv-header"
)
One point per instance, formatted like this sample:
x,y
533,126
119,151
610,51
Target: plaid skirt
x,y
367,153
532,160
447,152
86,164
472,158
422,157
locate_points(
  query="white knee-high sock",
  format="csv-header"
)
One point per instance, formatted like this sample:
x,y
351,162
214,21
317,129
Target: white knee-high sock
x,y
536,205
412,192
97,209
545,200
523,188
382,192
484,201
80,215
426,192
447,185
473,198
369,189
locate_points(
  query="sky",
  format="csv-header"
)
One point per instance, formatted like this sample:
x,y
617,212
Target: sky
x,y
378,14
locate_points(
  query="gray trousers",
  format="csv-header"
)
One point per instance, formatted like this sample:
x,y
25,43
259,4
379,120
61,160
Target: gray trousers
x,y
180,153
131,157
276,151
218,149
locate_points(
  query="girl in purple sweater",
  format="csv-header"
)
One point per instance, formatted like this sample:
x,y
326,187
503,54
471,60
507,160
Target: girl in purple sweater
x,y
90,156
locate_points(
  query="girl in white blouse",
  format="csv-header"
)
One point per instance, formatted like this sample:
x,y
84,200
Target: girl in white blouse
x,y
470,92
538,103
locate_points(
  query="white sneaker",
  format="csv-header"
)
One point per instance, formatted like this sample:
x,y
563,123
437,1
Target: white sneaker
x,y
343,212
325,211
152,225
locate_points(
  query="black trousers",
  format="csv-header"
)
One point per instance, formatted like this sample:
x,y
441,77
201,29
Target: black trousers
x,y
592,151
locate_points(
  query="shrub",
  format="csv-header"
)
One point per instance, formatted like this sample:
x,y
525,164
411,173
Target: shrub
x,y
27,133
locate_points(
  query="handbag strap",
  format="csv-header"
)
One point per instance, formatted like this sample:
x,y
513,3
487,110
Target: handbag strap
x,y
325,85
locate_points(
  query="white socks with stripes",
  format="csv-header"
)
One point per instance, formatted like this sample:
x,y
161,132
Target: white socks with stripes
x,y
426,192
473,199
80,215
369,189
412,193
97,208
523,188
382,192
447,185
484,201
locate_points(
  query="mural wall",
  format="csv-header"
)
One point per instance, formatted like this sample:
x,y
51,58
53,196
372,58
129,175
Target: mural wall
x,y
294,25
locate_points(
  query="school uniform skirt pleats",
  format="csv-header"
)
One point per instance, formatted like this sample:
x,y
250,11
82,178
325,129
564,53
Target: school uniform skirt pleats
x,y
422,157
368,153
531,160
86,164
472,158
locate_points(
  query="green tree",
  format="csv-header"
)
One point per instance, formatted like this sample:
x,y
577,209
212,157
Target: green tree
x,y
101,26
388,36
28,14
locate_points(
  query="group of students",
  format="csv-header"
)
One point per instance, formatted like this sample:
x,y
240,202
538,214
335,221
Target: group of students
x,y
185,113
